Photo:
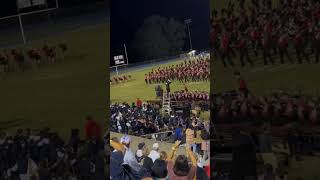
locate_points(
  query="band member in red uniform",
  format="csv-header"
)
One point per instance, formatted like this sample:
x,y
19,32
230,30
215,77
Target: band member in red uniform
x,y
255,36
4,61
317,44
225,49
242,84
299,46
214,41
19,58
283,46
266,45
243,49
34,55
139,103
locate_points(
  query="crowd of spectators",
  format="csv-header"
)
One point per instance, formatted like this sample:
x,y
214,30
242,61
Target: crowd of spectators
x,y
270,27
157,164
187,71
142,118
21,59
44,155
269,156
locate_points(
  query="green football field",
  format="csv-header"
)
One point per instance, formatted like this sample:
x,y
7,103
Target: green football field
x,y
61,95
137,88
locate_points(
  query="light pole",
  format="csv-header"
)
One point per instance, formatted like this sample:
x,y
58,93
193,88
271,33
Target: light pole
x,y
125,50
187,22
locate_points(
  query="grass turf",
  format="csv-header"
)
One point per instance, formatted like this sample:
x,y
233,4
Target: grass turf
x,y
60,96
137,88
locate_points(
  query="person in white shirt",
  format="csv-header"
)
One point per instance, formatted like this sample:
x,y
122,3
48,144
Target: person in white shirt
x,y
129,156
154,154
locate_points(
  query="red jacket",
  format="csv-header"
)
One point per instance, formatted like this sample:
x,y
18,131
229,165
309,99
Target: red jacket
x,y
139,103
242,43
283,41
242,84
93,129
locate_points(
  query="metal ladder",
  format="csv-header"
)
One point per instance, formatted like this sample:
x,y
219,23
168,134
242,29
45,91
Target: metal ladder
x,y
166,103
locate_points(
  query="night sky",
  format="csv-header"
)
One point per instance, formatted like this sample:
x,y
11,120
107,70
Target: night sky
x,y
128,15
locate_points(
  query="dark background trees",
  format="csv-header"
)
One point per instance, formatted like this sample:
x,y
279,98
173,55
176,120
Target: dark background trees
x,y
159,37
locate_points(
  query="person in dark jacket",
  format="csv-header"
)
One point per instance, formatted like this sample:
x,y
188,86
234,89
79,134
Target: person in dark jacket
x,y
243,156
159,169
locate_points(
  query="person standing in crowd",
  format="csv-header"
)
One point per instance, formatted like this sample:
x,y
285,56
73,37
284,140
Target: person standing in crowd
x,y
129,157
146,162
180,169
154,153
190,134
139,103
159,169
168,86
244,153
265,147
178,132
92,128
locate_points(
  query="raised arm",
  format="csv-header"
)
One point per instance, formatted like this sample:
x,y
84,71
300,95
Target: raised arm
x,y
191,155
173,150
117,146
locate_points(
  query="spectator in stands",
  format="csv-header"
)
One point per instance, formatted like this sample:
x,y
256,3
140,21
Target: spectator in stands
x,y
92,128
139,103
269,174
46,156
147,163
178,132
139,153
154,153
159,169
116,160
129,157
180,169
244,152
265,147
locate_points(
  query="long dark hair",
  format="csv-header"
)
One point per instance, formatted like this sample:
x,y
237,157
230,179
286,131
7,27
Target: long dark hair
x,y
181,166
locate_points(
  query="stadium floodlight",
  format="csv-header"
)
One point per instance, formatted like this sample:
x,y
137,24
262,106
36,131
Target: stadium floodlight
x,y
187,22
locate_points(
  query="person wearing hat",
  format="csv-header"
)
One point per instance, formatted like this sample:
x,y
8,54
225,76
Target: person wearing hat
x,y
154,154
129,157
